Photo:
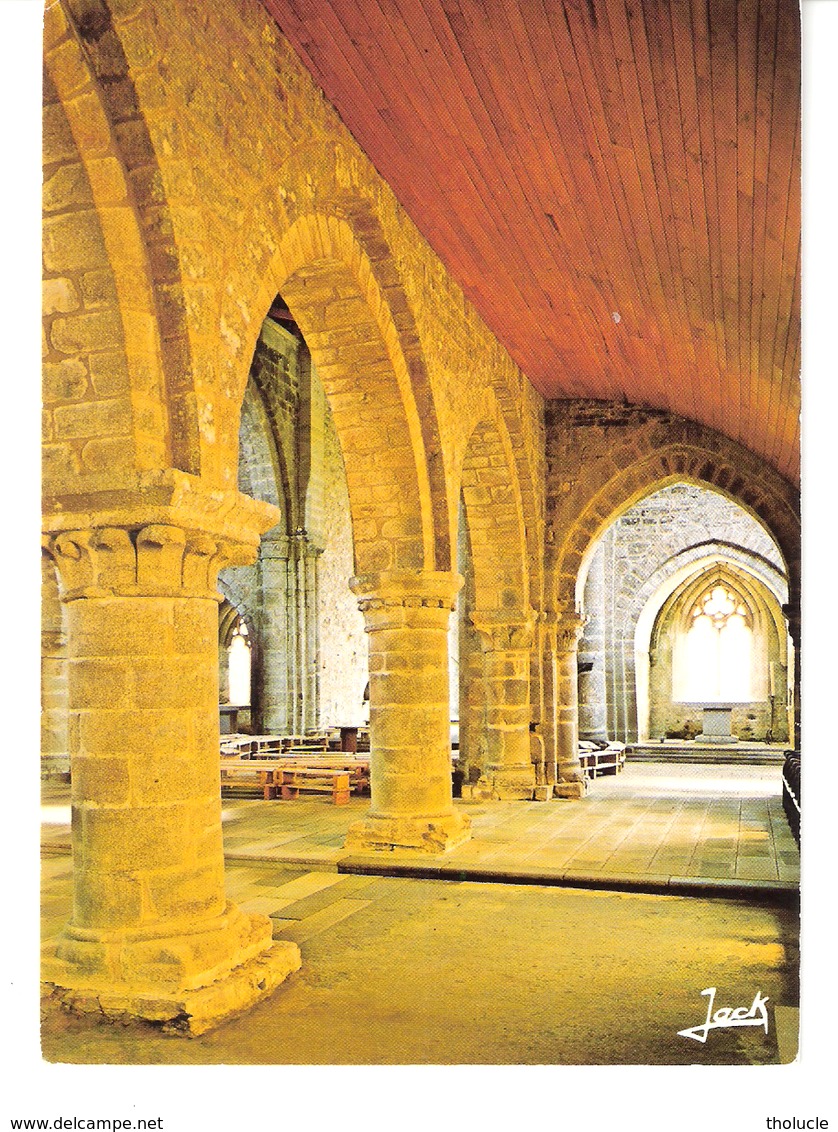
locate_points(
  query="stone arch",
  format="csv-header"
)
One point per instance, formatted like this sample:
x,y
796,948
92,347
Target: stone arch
x,y
130,330
228,615
357,328
736,474
669,579
667,621
494,519
263,466
497,632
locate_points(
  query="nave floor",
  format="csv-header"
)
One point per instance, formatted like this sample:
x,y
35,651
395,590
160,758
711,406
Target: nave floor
x,y
652,828
405,970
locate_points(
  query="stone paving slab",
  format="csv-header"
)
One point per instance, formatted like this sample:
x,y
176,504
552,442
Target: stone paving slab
x,y
653,828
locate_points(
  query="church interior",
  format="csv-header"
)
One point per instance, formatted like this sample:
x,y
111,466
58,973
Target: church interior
x,y
421,572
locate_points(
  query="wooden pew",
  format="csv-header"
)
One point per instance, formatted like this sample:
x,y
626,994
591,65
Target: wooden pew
x,y
596,762
357,768
323,773
321,781
252,773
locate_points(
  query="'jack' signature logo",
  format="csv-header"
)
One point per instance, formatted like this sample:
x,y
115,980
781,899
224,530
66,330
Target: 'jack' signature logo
x,y
728,1017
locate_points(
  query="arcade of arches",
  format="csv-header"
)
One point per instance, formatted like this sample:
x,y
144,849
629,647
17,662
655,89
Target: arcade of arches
x,y
280,449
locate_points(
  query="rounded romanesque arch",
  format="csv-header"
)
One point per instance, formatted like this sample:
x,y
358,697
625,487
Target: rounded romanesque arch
x,y
330,287
609,489
494,521
605,457
114,312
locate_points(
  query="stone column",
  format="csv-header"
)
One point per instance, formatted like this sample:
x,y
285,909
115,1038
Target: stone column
x,y
223,674
406,614
308,631
570,778
593,655
549,724
473,758
151,934
506,641
271,654
55,757
287,679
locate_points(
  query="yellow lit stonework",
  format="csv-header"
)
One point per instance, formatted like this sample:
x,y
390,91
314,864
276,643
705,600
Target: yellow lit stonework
x,y
255,367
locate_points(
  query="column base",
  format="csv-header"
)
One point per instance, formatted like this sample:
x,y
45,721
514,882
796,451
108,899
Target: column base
x,y
188,983
573,790
511,783
542,793
191,1012
381,834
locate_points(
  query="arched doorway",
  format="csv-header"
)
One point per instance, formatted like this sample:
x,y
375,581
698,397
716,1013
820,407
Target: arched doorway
x,y
668,539
718,639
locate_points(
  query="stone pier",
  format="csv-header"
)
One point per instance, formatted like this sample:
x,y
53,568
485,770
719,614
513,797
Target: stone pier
x,y
152,935
506,641
570,778
412,810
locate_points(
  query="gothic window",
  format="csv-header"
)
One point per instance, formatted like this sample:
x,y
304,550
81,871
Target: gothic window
x,y
239,665
719,648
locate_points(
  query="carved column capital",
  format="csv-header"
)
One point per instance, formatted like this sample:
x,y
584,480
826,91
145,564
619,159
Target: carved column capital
x,y
563,629
569,629
501,630
304,545
157,560
154,533
394,597
275,547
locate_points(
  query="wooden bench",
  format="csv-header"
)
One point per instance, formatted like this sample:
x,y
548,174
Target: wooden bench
x,y
251,773
357,768
319,780
271,746
791,793
608,760
285,777
251,746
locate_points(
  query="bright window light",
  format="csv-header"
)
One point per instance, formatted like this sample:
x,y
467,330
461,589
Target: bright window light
x,y
240,667
719,650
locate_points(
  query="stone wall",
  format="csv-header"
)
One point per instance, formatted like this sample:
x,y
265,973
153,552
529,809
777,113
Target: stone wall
x,y
604,457
240,182
634,550
343,662
309,648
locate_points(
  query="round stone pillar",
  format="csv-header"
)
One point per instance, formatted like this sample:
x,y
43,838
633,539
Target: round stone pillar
x,y
593,655
548,729
286,677
151,933
274,651
506,641
570,778
55,759
406,615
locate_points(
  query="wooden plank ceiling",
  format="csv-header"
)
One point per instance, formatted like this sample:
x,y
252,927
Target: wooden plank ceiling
x,y
614,184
